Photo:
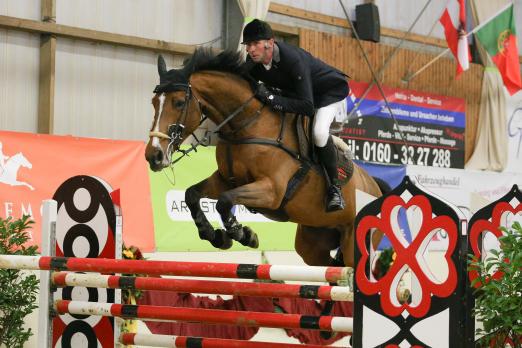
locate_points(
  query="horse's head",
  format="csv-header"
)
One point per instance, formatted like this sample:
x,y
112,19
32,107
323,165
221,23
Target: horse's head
x,y
20,160
214,84
177,113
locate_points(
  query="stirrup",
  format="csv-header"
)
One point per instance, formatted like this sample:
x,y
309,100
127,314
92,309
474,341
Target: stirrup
x,y
335,199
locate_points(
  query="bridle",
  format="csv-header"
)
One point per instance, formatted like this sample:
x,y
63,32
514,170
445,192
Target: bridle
x,y
175,130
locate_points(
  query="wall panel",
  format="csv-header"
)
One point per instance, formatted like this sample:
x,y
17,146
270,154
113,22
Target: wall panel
x,y
28,9
180,21
105,91
19,65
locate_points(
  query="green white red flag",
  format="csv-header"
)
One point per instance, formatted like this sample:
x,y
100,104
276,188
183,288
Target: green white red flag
x,y
498,36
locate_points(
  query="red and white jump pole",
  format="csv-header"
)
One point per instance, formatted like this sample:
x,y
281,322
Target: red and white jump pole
x,y
189,342
177,268
335,293
208,316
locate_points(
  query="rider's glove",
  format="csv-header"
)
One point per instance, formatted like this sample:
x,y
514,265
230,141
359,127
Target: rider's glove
x,y
264,94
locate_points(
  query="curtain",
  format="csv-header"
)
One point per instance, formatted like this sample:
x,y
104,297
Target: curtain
x,y
251,9
491,142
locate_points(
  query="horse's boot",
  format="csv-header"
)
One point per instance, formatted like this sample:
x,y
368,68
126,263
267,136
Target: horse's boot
x,y
328,158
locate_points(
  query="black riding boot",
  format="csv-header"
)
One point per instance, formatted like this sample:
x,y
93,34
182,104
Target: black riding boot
x,y
328,158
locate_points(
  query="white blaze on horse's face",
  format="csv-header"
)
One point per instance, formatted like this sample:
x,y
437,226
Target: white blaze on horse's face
x,y
155,140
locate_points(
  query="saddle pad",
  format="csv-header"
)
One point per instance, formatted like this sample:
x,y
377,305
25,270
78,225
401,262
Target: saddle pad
x,y
344,166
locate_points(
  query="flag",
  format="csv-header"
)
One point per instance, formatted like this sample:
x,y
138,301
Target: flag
x,y
453,20
499,38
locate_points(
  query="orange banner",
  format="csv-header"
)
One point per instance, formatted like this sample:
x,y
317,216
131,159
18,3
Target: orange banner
x,y
33,166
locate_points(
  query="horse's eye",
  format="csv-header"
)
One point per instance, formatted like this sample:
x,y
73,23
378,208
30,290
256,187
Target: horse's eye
x,y
178,104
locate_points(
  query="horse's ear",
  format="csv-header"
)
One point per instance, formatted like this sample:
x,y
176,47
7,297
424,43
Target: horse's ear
x,y
162,66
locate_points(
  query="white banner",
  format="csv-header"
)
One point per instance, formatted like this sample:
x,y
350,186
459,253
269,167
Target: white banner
x,y
468,190
457,185
178,211
514,132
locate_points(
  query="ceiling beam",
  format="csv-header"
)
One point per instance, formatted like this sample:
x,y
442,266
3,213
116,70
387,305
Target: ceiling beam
x,y
32,26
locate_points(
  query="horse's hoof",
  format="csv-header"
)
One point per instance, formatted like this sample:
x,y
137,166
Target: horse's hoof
x,y
254,242
221,240
236,232
249,238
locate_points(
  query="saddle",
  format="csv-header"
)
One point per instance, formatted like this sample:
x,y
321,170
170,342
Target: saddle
x,y
307,149
309,159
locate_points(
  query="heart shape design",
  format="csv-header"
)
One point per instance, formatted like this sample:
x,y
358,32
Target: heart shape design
x,y
406,255
500,214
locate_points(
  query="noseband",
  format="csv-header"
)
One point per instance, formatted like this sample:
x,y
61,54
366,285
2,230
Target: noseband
x,y
175,130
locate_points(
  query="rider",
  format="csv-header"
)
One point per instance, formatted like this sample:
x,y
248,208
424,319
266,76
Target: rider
x,y
309,86
3,159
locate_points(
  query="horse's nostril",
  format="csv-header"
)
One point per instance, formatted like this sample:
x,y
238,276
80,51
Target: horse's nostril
x,y
159,157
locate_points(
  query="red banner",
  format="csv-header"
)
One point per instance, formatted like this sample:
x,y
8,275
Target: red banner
x,y
33,166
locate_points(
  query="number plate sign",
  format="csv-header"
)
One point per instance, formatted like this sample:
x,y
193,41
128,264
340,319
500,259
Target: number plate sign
x,y
432,125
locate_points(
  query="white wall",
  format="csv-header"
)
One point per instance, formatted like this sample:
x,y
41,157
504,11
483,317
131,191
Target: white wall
x,y
101,90
19,54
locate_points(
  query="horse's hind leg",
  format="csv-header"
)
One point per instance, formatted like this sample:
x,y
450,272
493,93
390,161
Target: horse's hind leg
x,y
211,188
314,244
259,194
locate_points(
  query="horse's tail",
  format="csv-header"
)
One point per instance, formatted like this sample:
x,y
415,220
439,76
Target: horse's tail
x,y
383,185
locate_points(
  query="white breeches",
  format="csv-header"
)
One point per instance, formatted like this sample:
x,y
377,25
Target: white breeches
x,y
323,119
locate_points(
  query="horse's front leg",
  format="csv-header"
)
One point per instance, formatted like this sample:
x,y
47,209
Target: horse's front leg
x,y
211,187
259,194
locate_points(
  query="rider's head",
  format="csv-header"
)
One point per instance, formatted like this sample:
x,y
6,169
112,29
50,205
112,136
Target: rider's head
x,y
258,39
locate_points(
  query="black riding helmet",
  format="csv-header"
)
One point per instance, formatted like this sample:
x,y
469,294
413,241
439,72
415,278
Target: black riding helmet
x,y
257,30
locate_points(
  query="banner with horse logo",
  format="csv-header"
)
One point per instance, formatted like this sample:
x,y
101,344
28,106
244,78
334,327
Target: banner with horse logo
x,y
33,166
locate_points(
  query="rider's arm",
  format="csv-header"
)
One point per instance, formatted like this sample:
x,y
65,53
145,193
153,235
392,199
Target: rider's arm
x,y
303,102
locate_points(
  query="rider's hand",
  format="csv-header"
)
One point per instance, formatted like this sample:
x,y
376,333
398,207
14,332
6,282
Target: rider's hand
x,y
264,94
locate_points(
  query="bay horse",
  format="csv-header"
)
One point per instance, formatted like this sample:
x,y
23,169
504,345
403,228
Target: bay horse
x,y
257,156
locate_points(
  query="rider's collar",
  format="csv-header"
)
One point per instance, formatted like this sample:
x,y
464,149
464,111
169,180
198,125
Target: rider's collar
x,y
275,57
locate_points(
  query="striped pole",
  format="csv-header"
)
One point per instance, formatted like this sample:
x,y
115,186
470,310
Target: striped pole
x,y
177,268
335,293
208,316
199,342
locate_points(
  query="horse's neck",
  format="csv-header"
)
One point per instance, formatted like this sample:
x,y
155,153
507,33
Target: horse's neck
x,y
225,94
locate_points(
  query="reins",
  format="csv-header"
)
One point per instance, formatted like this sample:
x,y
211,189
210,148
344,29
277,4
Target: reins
x,y
175,130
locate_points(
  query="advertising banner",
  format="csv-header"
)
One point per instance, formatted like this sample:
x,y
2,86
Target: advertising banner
x,y
433,126
463,188
174,227
33,166
514,131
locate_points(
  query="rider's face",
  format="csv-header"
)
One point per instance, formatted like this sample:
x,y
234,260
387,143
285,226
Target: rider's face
x,y
260,51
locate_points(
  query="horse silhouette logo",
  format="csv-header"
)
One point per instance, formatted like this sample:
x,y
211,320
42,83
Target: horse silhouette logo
x,y
9,167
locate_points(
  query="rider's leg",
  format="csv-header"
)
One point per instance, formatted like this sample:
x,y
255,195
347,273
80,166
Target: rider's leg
x,y
328,154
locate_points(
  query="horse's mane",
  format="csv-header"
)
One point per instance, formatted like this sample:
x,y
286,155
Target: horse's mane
x,y
205,59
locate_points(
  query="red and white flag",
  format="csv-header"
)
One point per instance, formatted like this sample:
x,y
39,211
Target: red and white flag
x,y
453,20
